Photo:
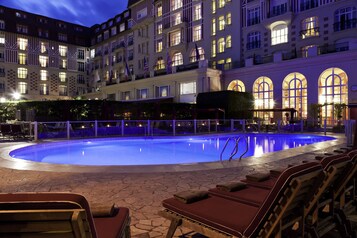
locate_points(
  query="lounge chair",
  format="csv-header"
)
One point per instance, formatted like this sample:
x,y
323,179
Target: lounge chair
x,y
58,215
215,216
321,213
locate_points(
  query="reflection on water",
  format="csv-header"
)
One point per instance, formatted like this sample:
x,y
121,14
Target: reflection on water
x,y
159,151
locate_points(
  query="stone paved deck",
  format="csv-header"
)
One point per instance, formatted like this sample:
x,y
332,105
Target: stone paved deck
x,y
142,192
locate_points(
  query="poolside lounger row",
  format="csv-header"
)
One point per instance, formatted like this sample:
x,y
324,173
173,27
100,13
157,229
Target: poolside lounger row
x,y
304,199
59,215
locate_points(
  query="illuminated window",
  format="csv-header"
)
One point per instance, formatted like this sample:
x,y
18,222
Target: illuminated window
x,y
22,58
214,51
163,91
229,19
263,97
229,41
214,6
177,59
125,95
44,47
63,64
333,90
236,85
43,75
159,10
309,27
221,45
22,73
22,43
176,19
197,33
62,50
43,61
221,3
2,39
62,77
221,23
22,88
193,57
159,28
214,26
279,34
62,90
187,88
197,12
176,4
295,93
43,89
159,45
175,38
160,64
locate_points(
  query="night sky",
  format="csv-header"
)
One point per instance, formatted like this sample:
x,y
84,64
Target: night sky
x,y
83,12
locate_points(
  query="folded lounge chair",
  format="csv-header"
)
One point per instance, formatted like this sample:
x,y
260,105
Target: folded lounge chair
x,y
215,216
321,213
58,215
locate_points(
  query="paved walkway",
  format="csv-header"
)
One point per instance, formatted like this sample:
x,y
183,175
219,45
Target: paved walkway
x,y
142,192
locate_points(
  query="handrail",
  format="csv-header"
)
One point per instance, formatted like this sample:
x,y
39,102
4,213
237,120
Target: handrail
x,y
246,148
224,148
235,149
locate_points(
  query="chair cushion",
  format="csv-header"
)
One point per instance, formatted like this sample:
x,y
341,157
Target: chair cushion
x,y
112,227
225,215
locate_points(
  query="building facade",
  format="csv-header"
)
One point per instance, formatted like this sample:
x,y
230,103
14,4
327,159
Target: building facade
x,y
288,53
41,58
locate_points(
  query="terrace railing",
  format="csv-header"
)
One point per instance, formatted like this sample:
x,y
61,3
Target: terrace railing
x,y
151,128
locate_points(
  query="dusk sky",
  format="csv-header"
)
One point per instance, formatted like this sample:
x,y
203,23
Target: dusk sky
x,y
83,12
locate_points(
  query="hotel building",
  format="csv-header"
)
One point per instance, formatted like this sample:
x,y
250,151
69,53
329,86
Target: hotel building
x,y
288,53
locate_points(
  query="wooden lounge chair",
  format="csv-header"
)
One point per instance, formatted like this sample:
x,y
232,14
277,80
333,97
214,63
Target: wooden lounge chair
x,y
58,215
321,214
220,217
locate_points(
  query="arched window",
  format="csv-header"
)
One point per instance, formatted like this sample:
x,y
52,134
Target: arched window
x,y
177,59
263,97
295,93
279,34
333,91
201,52
236,85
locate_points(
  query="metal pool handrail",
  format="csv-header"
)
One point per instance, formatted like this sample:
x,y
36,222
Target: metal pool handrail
x,y
235,148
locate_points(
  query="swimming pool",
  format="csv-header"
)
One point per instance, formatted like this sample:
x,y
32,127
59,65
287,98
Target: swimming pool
x,y
173,150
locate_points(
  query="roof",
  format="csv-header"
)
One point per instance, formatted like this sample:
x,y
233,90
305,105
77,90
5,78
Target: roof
x,y
132,2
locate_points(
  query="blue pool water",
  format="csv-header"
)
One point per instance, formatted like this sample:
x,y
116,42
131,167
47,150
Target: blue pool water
x,y
173,150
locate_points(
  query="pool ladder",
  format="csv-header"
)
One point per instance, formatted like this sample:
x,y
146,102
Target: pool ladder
x,y
235,149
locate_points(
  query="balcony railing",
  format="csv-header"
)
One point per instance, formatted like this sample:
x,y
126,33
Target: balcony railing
x,y
310,32
344,25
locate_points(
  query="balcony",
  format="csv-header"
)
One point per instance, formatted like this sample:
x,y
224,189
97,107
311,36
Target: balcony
x,y
345,25
44,92
22,62
130,57
45,65
62,67
130,42
310,32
